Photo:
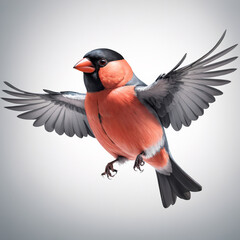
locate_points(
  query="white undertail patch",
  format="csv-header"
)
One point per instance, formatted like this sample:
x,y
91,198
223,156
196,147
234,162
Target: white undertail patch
x,y
153,150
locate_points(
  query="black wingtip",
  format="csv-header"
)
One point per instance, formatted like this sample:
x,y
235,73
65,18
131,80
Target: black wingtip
x,y
224,33
8,84
45,90
235,45
19,116
226,82
11,108
22,116
5,99
233,70
178,65
50,92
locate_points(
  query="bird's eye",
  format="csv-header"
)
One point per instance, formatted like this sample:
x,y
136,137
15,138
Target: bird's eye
x,y
102,62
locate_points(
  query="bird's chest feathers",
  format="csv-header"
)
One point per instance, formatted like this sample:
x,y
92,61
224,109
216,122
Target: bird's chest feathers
x,y
116,103
117,117
108,113
113,108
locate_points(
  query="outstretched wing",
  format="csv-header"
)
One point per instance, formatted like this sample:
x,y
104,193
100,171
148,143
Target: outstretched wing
x,y
182,95
62,111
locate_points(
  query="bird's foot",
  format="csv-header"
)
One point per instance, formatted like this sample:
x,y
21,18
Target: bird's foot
x,y
139,162
109,170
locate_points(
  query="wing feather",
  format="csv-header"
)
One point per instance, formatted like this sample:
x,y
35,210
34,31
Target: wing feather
x,y
192,103
205,81
24,101
59,126
62,111
82,126
50,123
198,99
187,109
21,95
27,107
210,74
68,128
181,95
185,120
213,58
76,126
180,112
202,68
41,120
34,114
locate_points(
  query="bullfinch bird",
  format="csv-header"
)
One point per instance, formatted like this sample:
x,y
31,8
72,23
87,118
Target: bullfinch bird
x,y
128,117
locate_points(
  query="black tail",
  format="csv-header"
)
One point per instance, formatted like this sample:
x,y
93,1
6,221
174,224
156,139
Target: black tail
x,y
177,184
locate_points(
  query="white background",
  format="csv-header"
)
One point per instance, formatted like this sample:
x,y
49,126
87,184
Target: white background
x,y
51,186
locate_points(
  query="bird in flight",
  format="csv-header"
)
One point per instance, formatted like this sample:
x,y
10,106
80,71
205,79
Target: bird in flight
x,y
127,116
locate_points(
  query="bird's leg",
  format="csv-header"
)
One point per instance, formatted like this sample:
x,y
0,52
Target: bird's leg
x,y
139,162
109,170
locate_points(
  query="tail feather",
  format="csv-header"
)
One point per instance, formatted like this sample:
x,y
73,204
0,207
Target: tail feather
x,y
179,189
168,196
177,184
184,178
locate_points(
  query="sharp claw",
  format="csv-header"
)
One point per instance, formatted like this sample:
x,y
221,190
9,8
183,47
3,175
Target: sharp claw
x,y
109,170
138,163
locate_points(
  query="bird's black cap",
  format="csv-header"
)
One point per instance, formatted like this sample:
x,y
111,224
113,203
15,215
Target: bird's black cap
x,y
105,53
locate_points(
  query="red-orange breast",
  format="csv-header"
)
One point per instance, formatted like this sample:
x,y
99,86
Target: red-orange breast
x,y
121,123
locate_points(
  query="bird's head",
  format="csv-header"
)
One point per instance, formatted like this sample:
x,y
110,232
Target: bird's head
x,y
104,69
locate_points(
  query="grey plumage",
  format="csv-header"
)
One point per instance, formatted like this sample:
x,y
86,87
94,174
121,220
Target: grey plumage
x,y
64,111
181,95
